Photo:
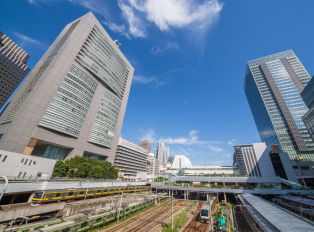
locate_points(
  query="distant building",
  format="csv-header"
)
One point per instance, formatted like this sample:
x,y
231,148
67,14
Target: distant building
x,y
147,144
25,167
179,161
253,160
12,67
308,97
167,154
152,166
73,101
270,82
160,152
130,158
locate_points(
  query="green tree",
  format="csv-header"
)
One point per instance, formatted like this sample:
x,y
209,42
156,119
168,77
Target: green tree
x,y
96,173
60,169
83,170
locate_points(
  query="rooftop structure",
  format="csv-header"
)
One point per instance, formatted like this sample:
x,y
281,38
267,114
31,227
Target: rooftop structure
x,y
179,161
147,144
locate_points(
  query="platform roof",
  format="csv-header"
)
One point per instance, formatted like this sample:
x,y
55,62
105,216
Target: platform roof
x,y
300,200
279,218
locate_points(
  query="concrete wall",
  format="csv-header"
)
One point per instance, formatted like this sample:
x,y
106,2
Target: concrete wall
x,y
25,209
16,163
263,159
285,160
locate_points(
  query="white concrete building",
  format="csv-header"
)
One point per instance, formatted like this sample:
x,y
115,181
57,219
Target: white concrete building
x,y
20,166
179,161
152,166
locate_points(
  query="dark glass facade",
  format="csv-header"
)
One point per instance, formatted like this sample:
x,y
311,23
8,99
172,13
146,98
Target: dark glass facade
x,y
308,93
272,86
277,164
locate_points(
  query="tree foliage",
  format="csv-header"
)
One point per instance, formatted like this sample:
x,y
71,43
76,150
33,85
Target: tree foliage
x,y
82,167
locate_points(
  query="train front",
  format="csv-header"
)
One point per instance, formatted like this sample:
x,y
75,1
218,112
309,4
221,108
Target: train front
x,y
38,197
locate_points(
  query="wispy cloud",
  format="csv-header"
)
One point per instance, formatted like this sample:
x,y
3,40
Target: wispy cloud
x,y
148,135
192,139
231,142
147,80
216,149
164,48
24,40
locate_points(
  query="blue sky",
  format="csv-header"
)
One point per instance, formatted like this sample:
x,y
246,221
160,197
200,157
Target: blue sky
x,y
189,59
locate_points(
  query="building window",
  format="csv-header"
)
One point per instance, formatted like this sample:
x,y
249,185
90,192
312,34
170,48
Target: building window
x,y
22,160
30,162
19,175
4,158
24,174
25,161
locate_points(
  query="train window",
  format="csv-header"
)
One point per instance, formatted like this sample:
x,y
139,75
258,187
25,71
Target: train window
x,y
83,225
82,192
70,194
98,191
58,195
66,229
38,194
98,220
64,194
91,223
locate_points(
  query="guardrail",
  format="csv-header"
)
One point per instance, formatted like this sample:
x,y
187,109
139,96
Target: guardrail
x,y
34,178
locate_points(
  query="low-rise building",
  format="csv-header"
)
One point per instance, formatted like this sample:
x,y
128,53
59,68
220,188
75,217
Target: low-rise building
x,y
130,158
179,161
20,166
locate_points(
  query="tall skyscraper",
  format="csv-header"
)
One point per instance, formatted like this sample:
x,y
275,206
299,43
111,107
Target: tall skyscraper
x,y
160,152
147,144
308,97
272,86
12,67
166,154
73,102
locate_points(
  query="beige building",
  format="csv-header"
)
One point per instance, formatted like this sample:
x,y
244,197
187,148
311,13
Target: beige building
x,y
73,101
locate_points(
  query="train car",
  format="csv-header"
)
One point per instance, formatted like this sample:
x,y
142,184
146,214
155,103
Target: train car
x,y
90,222
41,197
205,213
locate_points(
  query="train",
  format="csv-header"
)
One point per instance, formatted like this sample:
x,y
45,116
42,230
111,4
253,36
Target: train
x,y
42,197
83,222
205,212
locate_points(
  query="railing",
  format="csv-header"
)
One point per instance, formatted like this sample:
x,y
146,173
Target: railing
x,y
34,178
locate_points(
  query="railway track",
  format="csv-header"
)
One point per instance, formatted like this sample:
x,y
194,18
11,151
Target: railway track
x,y
241,221
154,221
194,224
126,223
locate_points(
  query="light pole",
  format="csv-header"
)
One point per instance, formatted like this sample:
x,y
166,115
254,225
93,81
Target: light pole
x,y
87,189
120,207
6,185
172,211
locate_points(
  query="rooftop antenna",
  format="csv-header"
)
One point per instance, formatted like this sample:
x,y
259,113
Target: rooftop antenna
x,y
117,43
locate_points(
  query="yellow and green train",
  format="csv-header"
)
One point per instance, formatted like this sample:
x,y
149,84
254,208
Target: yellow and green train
x,y
61,195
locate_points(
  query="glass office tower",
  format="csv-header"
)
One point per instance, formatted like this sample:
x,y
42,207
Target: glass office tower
x,y
272,86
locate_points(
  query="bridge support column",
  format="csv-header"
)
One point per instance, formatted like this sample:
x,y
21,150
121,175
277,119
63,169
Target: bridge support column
x,y
12,199
236,183
223,184
225,197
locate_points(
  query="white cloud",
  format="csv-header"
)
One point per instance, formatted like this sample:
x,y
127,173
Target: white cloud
x,y
178,13
231,142
149,135
147,80
25,40
226,155
167,46
192,139
216,149
135,23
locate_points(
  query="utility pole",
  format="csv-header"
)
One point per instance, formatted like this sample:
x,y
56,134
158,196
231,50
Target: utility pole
x,y
172,211
120,207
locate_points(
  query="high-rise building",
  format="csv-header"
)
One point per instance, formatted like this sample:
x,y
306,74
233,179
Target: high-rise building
x,y
130,158
147,144
73,102
167,154
308,97
160,152
12,67
272,86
